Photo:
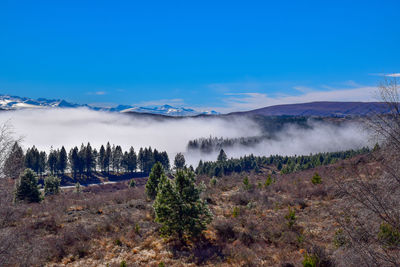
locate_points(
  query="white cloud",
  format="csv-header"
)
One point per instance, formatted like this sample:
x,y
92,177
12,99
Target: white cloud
x,y
97,93
394,75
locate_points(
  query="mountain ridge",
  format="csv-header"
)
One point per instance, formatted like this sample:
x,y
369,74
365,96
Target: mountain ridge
x,y
320,108
8,102
316,108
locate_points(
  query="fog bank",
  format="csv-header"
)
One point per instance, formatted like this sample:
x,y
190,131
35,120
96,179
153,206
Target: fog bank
x,y
71,127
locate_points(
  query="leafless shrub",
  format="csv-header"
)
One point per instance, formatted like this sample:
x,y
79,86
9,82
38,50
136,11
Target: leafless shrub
x,y
6,141
370,211
225,229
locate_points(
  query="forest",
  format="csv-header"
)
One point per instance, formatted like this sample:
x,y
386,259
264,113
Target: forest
x,y
283,164
83,161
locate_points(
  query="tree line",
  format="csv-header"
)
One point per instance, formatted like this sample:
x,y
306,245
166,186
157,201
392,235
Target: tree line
x,y
84,160
283,164
211,144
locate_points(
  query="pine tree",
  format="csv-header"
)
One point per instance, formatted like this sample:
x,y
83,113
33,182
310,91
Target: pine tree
x,y
178,207
179,161
316,179
95,159
107,158
102,155
141,159
62,160
32,159
27,187
156,175
52,161
117,158
74,160
165,160
14,163
129,160
51,185
222,156
112,161
89,159
42,162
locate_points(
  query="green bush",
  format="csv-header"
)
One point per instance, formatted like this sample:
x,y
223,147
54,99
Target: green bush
x,y
339,239
389,235
309,260
235,212
137,229
51,185
132,183
27,187
213,181
268,181
246,183
316,179
291,217
77,187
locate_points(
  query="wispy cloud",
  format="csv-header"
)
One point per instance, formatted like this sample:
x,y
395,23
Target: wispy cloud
x,y
393,75
97,93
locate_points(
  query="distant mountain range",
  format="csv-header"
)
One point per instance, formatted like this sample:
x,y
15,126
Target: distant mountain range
x,y
321,109
8,102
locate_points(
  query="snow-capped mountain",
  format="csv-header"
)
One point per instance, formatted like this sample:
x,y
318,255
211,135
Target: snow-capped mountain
x,y
8,102
167,110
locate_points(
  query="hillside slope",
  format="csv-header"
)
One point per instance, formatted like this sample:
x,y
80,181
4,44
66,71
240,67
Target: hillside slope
x,y
322,109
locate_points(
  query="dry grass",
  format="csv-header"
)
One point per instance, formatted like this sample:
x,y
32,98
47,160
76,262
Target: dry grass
x,y
107,224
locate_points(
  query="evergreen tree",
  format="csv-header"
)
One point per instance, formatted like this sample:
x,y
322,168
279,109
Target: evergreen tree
x,y
27,187
129,160
117,158
316,179
74,161
112,161
107,158
52,161
62,160
178,207
222,156
148,160
179,161
14,163
95,159
32,159
156,175
89,159
42,162
51,185
141,159
164,160
101,158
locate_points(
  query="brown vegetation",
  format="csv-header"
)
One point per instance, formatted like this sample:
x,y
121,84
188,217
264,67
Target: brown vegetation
x,y
108,224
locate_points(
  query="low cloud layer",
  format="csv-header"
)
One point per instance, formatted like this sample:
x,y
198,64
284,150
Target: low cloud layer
x,y
71,127
293,140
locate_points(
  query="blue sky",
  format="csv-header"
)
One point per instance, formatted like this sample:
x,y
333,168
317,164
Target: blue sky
x,y
225,55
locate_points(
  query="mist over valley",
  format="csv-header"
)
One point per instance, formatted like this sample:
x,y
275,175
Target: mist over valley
x,y
53,128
